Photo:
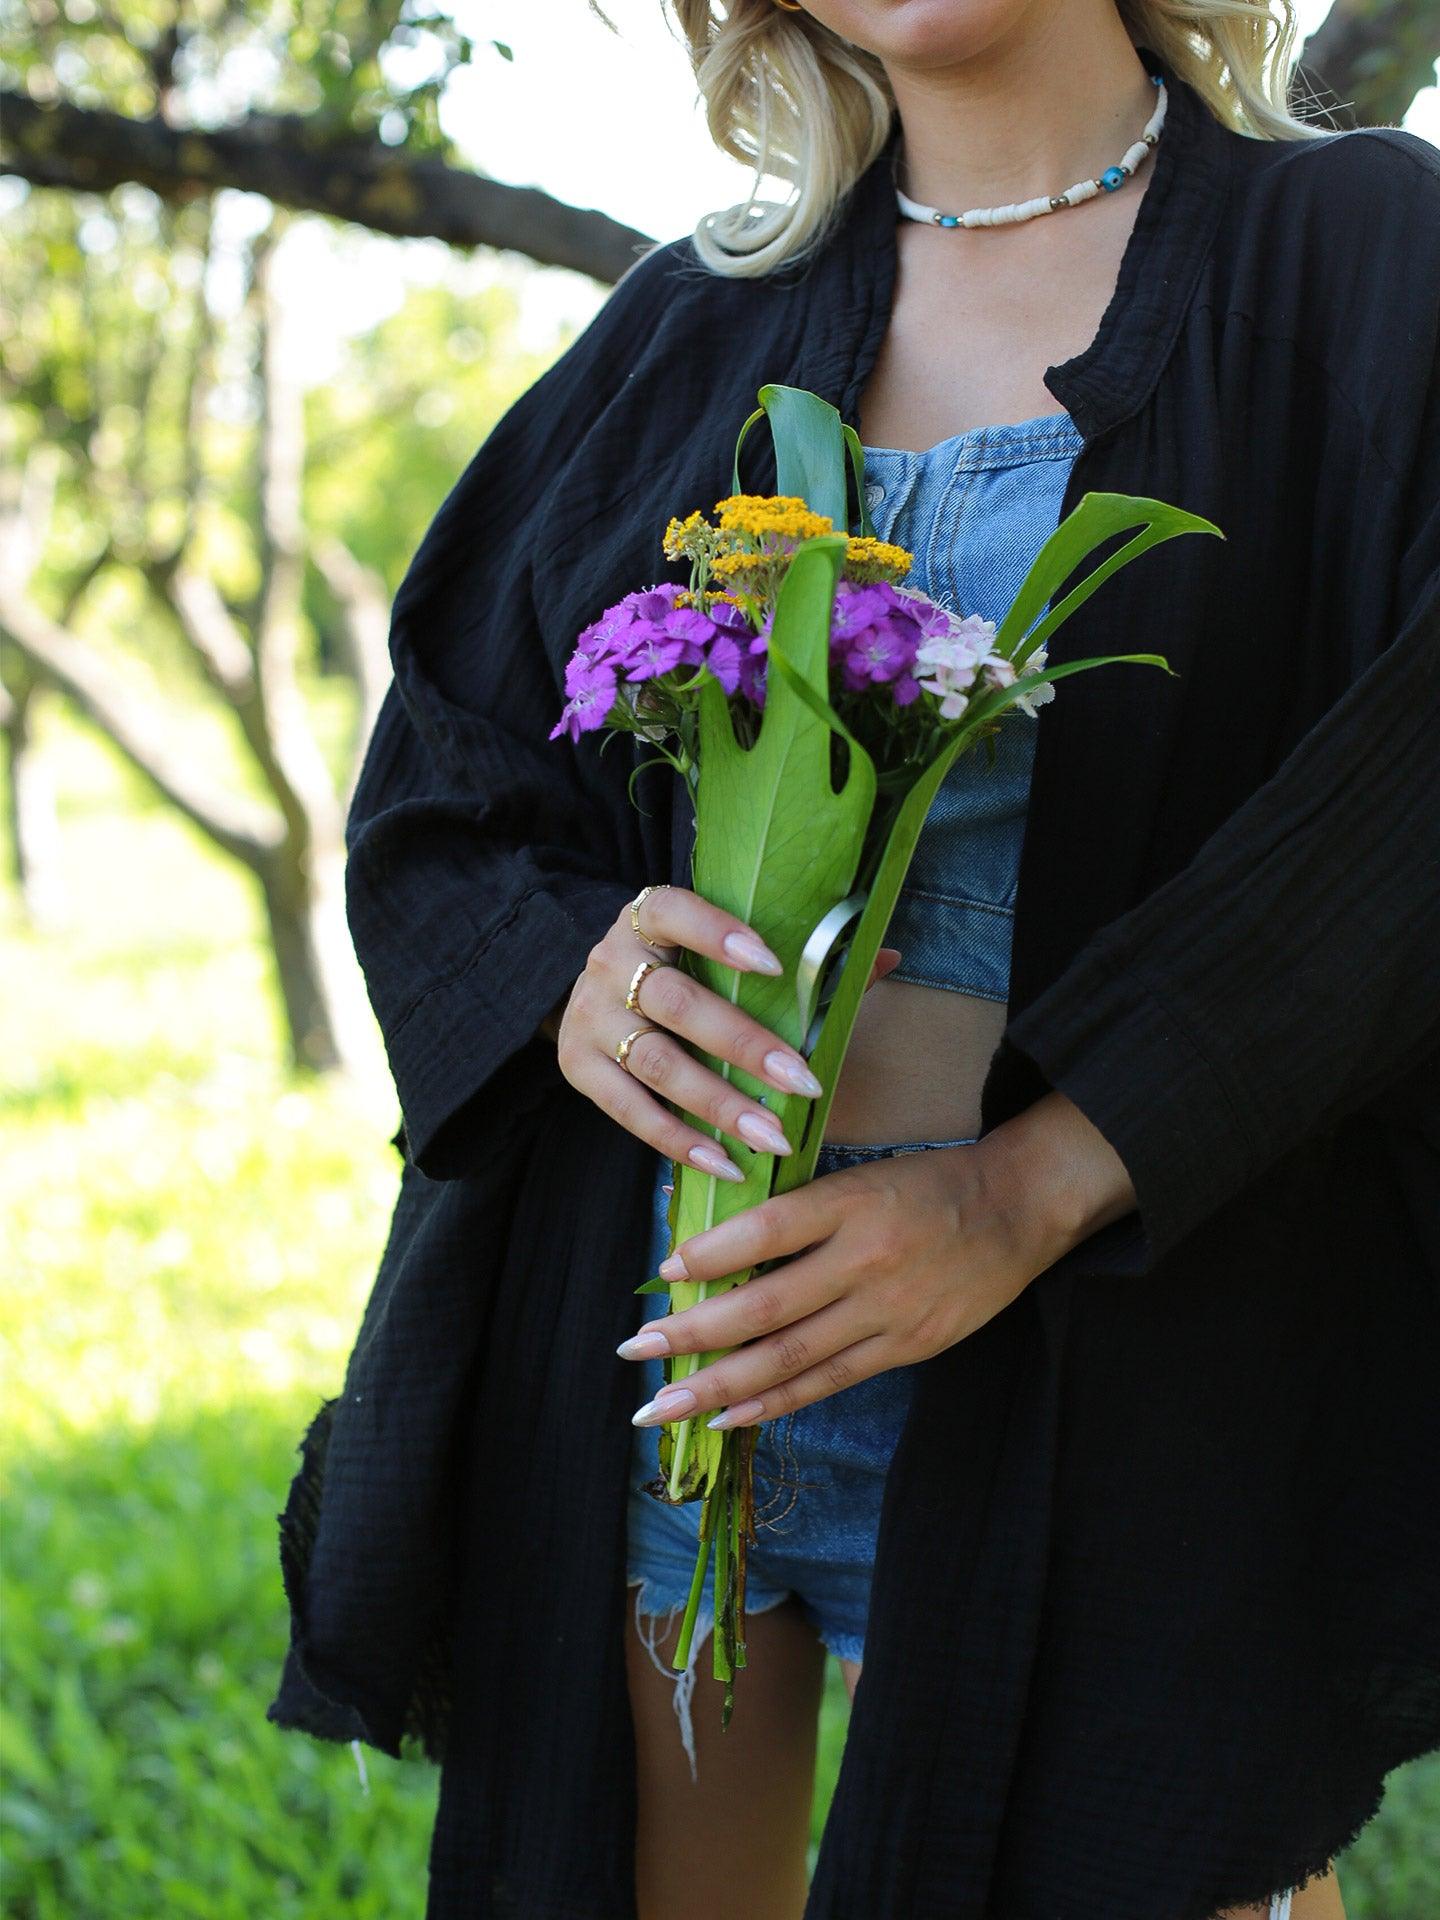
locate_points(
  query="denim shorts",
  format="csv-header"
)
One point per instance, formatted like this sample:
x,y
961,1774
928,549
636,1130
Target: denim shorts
x,y
819,1478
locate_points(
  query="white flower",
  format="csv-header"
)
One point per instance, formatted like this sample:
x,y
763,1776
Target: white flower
x,y
954,658
952,702
1037,695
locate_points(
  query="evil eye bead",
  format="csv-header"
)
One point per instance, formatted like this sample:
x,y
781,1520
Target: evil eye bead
x,y
1112,178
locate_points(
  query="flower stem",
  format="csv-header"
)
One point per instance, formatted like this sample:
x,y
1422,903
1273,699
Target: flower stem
x,y
680,1659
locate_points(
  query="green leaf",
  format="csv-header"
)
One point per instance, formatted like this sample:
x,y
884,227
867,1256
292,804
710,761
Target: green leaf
x,y
857,464
809,450
1094,518
776,845
829,1054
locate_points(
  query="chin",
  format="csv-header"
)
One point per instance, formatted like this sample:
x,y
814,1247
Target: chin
x,y
921,33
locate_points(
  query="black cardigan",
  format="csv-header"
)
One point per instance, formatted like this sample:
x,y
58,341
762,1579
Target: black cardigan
x,y
1157,1594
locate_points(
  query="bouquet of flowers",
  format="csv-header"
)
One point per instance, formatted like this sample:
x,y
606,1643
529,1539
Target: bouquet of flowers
x,y
813,704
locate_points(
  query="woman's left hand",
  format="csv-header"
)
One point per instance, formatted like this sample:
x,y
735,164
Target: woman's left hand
x,y
895,1260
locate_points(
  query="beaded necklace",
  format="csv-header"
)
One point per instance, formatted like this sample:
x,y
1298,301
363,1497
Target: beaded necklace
x,y
1106,182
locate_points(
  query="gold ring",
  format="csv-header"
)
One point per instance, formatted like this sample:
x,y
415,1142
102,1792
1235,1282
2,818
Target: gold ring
x,y
622,1052
632,992
635,904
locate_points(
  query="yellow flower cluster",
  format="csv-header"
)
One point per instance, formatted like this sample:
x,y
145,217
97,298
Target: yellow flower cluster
x,y
868,560
750,548
747,567
685,538
704,600
781,514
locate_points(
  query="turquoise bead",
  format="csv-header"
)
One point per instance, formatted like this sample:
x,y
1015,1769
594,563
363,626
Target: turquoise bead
x,y
1112,178
949,219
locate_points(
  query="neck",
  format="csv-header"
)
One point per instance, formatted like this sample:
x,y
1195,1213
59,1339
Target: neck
x,y
1028,115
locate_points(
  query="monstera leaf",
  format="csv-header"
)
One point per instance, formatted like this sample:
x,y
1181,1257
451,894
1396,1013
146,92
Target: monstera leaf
x,y
776,844
782,847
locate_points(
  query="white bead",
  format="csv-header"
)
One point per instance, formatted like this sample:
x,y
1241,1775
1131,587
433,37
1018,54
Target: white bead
x,y
1017,210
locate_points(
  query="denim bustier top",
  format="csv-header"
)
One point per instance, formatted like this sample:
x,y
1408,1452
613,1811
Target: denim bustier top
x,y
974,510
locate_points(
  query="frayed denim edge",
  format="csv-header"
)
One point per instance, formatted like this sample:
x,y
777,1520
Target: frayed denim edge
x,y
659,1619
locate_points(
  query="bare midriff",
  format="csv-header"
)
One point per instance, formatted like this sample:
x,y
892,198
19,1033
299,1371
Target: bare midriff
x,y
915,1066
973,326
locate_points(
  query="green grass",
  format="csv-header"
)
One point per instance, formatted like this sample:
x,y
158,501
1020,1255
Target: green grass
x,y
189,1234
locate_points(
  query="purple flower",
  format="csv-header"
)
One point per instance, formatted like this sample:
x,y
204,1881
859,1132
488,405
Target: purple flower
x,y
731,619
856,607
589,654
933,620
725,661
878,654
591,698
652,652
653,603
694,632
613,621
754,667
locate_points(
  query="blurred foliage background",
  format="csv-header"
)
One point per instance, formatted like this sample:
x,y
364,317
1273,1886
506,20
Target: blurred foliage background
x,y
199,536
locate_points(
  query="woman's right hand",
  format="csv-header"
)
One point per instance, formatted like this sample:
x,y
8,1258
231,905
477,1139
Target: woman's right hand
x,y
660,1067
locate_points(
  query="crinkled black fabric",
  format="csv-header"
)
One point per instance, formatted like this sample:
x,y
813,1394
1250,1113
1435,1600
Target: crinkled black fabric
x,y
1157,1590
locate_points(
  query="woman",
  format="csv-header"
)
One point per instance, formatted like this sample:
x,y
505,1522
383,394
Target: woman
x,y
1149,1421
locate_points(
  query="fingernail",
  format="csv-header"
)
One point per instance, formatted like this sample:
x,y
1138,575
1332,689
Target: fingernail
x,y
712,1160
672,1267
739,1415
795,1073
646,1345
751,951
763,1134
671,1403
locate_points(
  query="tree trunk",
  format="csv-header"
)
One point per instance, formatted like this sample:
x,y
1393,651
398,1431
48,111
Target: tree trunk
x,y
35,857
327,1014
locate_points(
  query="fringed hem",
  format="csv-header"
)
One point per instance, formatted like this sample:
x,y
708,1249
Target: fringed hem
x,y
1313,1863
302,1703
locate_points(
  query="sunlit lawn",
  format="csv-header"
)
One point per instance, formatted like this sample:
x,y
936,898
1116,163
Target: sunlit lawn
x,y
188,1240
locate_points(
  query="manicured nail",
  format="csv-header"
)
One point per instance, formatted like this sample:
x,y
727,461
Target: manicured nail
x,y
794,1072
751,951
712,1160
761,1133
648,1344
671,1403
739,1415
672,1267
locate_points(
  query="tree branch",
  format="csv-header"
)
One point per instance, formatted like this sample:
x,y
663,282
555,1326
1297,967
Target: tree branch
x,y
211,629
249,833
1371,57
364,607
298,772
90,149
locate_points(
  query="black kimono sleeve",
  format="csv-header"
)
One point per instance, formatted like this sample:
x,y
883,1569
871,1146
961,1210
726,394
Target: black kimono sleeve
x,y
477,876
1290,974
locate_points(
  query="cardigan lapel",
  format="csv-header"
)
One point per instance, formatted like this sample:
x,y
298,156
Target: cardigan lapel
x,y
848,305
1109,379
1103,386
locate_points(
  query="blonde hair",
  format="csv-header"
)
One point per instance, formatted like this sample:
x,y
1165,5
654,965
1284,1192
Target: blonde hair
x,y
797,102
